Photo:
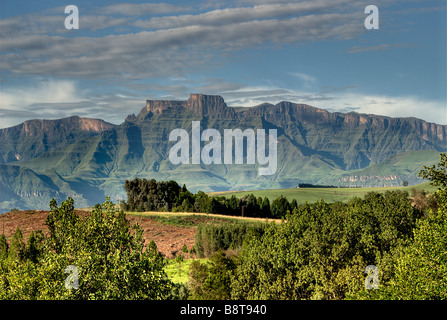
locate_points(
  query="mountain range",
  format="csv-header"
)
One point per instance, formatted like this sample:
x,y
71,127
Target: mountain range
x,y
89,159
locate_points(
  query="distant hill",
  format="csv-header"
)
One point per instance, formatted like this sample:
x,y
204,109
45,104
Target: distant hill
x,y
90,159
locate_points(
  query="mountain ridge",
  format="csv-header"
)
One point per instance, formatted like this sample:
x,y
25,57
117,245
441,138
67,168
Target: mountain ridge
x,y
46,135
92,158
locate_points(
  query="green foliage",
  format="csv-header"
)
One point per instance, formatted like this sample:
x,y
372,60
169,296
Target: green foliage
x,y
280,207
146,195
422,200
4,248
168,196
108,253
319,251
421,266
210,238
437,174
329,195
322,250
212,280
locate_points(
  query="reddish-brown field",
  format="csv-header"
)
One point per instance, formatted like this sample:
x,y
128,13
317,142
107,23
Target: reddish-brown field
x,y
168,238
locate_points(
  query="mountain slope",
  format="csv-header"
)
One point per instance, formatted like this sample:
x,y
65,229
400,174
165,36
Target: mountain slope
x,y
33,137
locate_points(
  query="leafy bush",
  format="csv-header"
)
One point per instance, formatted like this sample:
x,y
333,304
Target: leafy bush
x,y
212,280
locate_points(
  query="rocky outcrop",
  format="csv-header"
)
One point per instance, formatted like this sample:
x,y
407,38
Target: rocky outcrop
x,y
158,106
205,105
208,105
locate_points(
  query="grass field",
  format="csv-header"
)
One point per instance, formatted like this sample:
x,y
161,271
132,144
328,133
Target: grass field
x,y
311,195
191,219
179,273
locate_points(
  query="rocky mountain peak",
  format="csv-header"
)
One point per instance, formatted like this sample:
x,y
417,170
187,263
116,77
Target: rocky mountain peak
x,y
198,103
209,105
157,106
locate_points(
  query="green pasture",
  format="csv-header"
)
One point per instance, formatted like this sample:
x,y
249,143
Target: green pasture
x,y
329,195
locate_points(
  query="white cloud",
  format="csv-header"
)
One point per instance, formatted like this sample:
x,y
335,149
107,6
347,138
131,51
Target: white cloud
x,y
395,106
308,81
171,47
241,14
342,100
55,99
38,100
46,91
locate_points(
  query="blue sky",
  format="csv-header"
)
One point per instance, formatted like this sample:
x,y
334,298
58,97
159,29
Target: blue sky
x,y
249,52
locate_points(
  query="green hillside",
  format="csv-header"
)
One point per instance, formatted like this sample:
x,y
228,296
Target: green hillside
x,y
301,195
392,171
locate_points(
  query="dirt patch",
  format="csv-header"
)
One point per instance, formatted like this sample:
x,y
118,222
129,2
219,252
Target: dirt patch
x,y
168,238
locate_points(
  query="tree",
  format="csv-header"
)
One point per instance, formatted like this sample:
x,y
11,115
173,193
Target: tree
x,y
145,194
437,174
34,248
280,206
179,259
265,208
232,205
212,281
321,251
17,247
4,248
251,207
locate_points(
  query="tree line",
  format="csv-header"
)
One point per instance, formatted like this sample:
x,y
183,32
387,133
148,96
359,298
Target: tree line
x,y
152,195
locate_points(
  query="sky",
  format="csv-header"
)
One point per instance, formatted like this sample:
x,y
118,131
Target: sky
x,y
250,52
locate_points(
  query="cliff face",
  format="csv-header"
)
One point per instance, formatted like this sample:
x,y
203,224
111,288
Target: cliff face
x,y
72,124
31,138
158,106
208,105
205,105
